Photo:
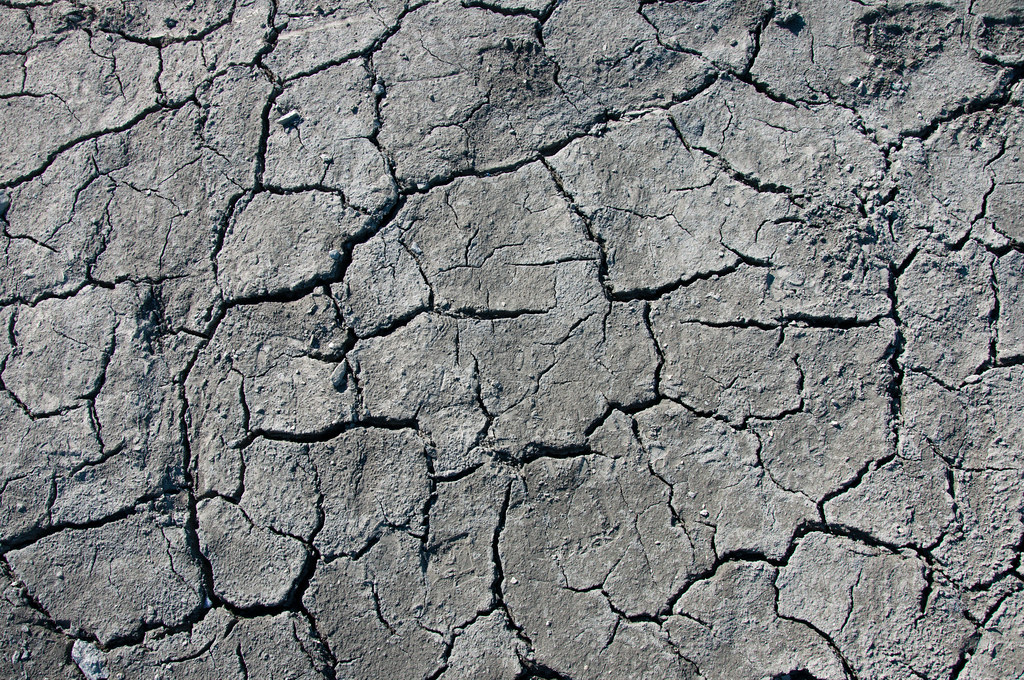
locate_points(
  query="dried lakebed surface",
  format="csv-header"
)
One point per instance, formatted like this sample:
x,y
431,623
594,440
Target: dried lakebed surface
x,y
512,339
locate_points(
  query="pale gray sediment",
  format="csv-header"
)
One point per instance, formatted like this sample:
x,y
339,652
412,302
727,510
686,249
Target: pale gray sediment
x,y
512,339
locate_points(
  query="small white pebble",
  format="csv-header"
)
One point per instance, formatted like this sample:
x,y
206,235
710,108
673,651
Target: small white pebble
x,y
290,118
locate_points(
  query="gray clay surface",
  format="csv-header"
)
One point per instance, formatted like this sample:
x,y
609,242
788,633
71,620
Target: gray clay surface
x,y
512,339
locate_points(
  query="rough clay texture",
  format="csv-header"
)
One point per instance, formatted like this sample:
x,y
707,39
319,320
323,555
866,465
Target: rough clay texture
x,y
512,339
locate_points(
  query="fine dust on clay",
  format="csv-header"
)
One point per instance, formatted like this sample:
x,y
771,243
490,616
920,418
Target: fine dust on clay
x,y
512,339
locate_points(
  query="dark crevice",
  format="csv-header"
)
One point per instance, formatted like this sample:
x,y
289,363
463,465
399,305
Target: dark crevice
x,y
967,650
140,505
853,482
848,667
800,674
992,102
53,155
504,11
533,670
535,451
497,584
367,52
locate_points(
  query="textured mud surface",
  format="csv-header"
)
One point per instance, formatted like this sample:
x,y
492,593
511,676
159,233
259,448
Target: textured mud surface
x,y
512,339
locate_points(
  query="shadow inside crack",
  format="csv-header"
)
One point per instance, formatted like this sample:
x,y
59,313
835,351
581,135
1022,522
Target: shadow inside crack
x,y
796,675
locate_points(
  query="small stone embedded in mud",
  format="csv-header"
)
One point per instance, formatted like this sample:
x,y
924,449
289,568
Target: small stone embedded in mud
x,y
89,659
290,119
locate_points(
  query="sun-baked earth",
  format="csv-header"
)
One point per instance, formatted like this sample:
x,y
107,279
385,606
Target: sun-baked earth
x,y
512,339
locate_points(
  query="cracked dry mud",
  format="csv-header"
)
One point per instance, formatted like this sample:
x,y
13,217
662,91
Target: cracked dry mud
x,y
512,339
